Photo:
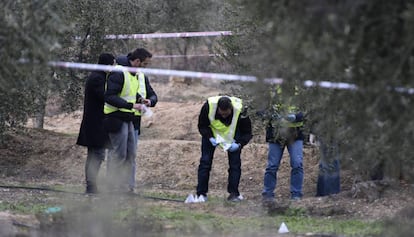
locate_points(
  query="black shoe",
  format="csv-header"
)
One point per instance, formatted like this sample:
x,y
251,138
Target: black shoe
x,y
234,197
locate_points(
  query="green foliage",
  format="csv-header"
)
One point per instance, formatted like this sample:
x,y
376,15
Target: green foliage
x,y
28,37
365,43
23,208
401,224
38,32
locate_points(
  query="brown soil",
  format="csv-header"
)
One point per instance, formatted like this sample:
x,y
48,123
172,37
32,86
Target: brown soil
x,y
168,155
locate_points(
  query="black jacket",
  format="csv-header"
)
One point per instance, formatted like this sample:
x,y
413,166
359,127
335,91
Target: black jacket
x,y
243,127
151,95
91,133
274,134
114,87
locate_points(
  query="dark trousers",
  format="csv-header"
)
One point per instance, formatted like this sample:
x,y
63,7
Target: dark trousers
x,y
206,161
94,159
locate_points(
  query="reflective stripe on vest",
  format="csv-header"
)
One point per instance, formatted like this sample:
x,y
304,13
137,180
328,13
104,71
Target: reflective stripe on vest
x,y
128,93
141,89
217,127
289,109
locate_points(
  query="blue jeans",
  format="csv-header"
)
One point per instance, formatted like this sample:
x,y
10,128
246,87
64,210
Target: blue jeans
x,y
122,155
274,157
329,169
206,161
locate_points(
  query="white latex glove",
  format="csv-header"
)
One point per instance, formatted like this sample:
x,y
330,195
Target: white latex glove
x,y
312,139
234,147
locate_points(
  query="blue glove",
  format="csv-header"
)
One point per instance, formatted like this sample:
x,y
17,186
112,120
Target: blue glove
x,y
291,117
234,147
213,141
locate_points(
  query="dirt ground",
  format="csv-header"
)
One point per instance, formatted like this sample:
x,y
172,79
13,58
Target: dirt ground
x,y
168,155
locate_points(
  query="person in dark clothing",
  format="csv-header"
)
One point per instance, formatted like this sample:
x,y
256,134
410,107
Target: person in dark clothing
x,y
91,133
222,122
329,181
146,95
120,107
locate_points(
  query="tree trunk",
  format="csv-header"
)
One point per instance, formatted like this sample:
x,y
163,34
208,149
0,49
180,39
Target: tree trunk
x,y
39,116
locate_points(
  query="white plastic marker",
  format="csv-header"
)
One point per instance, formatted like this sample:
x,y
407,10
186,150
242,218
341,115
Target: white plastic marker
x,y
215,76
194,199
189,199
283,229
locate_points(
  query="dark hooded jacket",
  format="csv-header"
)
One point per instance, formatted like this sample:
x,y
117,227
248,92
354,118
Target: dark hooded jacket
x,y
92,132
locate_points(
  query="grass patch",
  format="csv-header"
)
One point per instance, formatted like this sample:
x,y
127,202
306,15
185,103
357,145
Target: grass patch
x,y
213,218
209,223
23,208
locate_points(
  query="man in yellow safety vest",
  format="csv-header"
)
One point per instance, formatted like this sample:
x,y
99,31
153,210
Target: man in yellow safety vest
x,y
222,123
146,95
120,106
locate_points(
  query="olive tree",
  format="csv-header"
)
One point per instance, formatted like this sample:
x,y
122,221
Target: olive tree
x,y
29,34
363,43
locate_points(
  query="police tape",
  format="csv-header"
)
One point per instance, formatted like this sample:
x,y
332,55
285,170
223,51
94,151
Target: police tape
x,y
166,35
170,35
187,55
154,71
214,76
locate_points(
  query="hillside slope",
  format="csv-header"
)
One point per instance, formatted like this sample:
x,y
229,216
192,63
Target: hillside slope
x,y
168,156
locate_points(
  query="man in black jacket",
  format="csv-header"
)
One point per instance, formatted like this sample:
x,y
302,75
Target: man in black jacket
x,y
121,105
91,133
146,95
222,122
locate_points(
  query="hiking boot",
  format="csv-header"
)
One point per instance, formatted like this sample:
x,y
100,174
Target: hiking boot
x,y
234,198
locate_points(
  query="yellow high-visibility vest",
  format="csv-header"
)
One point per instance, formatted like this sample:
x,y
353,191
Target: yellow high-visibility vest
x,y
218,128
141,89
287,108
128,93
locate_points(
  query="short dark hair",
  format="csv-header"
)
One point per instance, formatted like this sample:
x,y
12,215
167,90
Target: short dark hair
x,y
139,53
106,59
224,103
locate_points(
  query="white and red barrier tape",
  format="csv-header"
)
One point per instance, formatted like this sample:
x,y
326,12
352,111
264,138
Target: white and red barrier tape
x,y
216,76
166,35
187,55
154,71
170,35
